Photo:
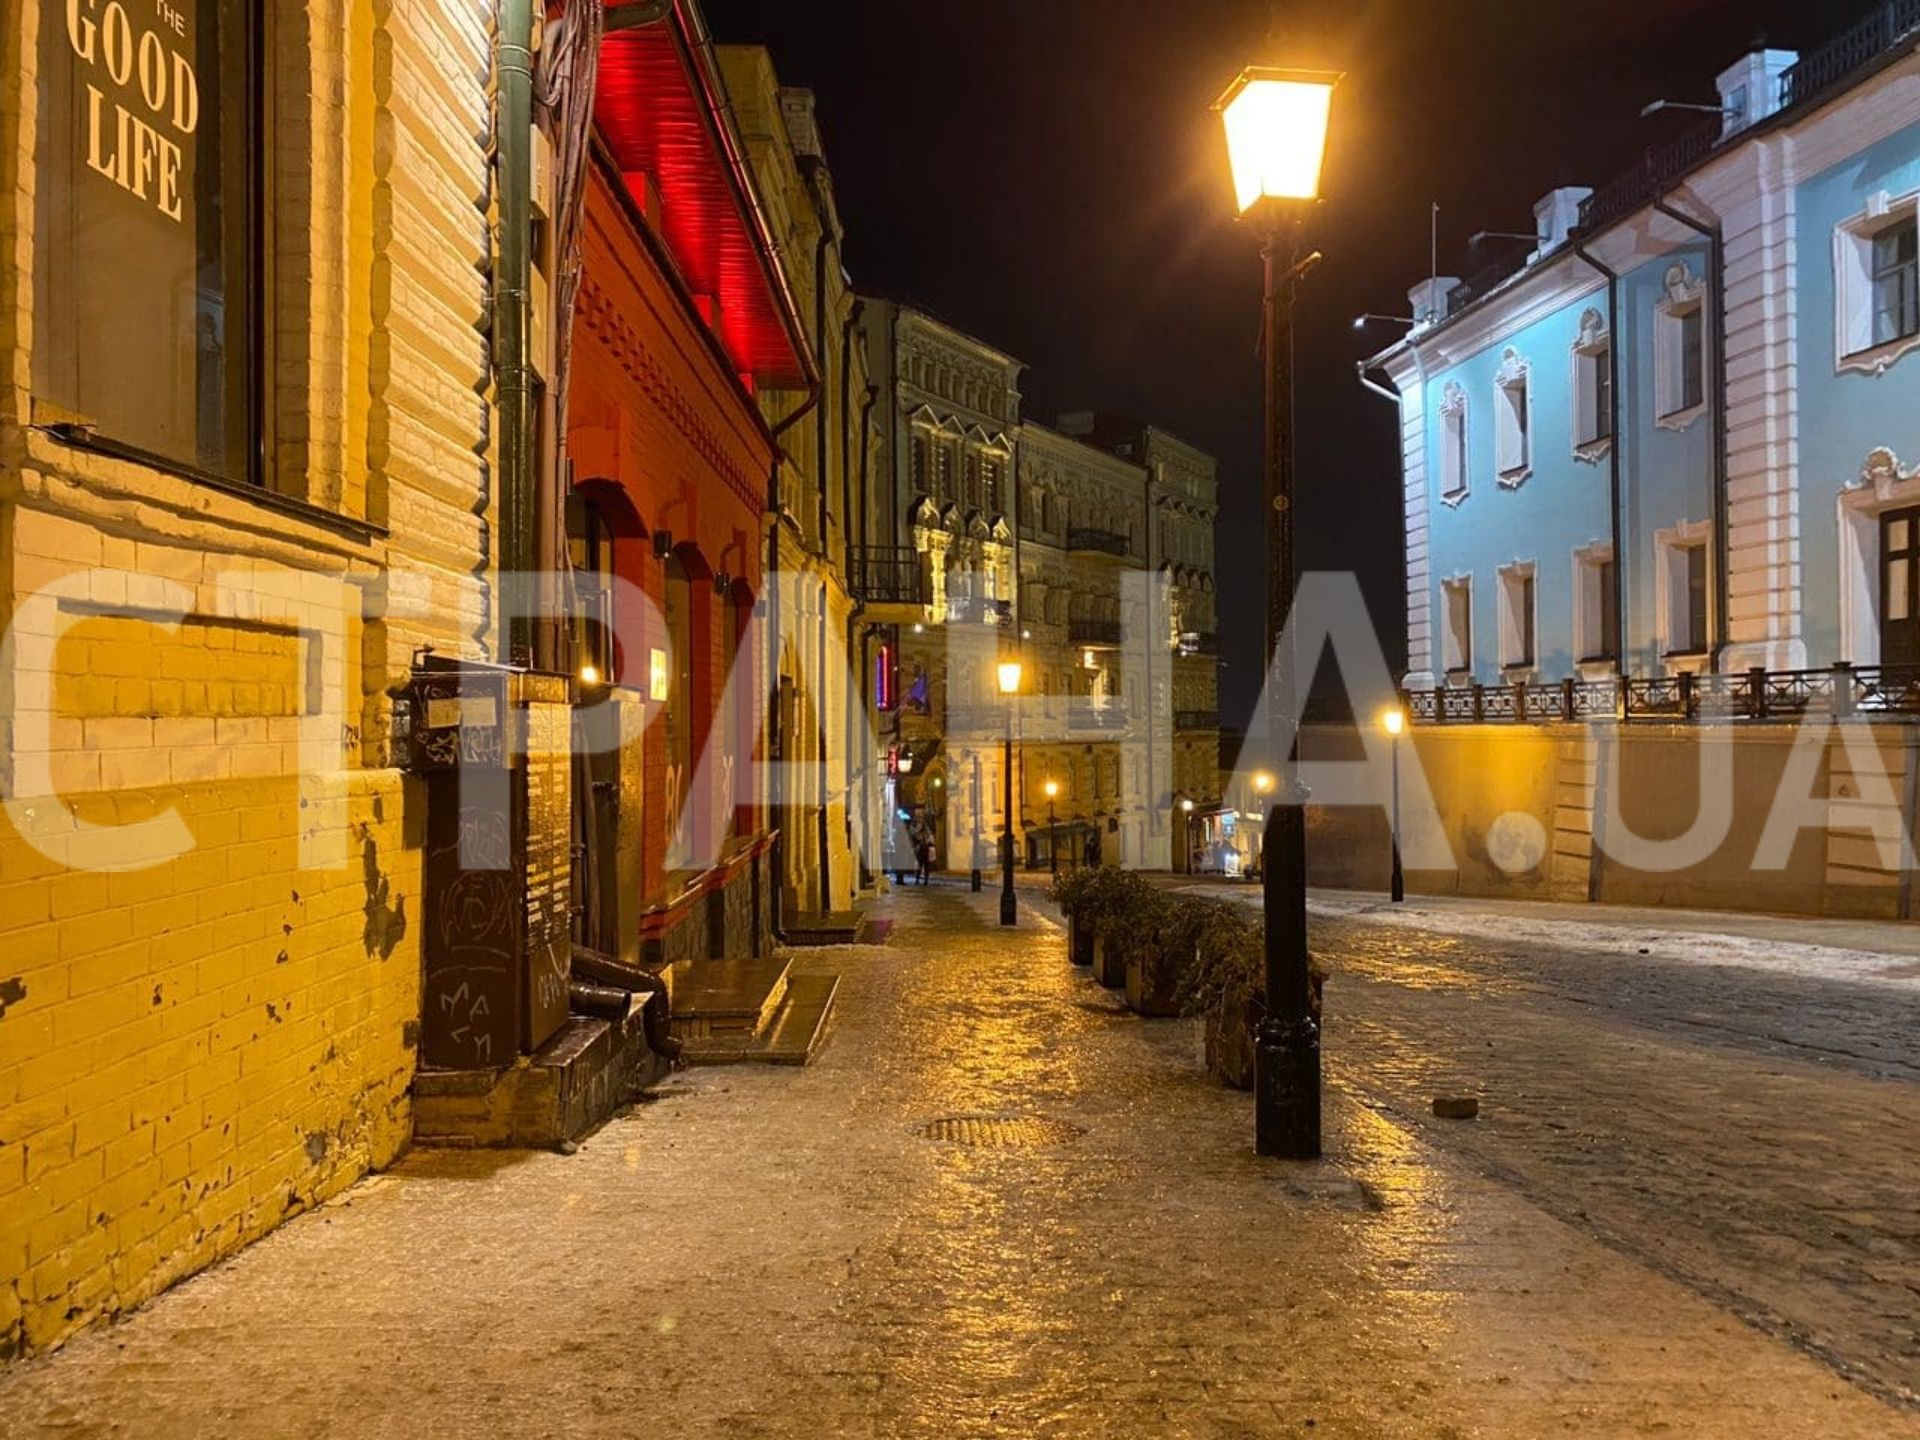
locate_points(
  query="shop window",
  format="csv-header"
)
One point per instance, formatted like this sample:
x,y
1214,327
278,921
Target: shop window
x,y
147,334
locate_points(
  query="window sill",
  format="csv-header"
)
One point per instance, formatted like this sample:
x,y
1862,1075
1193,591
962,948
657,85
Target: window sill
x,y
1681,419
1686,662
1598,667
1452,498
1878,359
1514,479
1592,452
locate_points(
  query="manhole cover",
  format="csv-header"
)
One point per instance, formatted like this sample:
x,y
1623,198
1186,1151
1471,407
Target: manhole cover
x,y
1000,1132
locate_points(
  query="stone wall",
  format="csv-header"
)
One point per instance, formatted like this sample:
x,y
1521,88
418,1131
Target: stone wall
x,y
1554,812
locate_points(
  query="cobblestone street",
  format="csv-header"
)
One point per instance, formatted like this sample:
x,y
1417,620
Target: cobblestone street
x,y
1676,1216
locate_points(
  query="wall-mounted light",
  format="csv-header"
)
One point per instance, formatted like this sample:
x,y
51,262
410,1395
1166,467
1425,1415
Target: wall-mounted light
x,y
1360,322
722,583
662,544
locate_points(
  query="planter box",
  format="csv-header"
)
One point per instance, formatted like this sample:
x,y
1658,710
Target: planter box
x,y
1079,942
1150,991
1230,1029
1109,962
1230,1042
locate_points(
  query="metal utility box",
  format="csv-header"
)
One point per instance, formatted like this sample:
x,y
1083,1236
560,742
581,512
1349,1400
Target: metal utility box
x,y
493,746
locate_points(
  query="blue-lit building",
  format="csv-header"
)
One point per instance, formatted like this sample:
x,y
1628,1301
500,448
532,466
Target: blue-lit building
x,y
1683,436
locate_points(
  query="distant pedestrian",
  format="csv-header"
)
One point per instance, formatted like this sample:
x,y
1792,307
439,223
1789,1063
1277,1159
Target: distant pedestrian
x,y
1093,849
923,853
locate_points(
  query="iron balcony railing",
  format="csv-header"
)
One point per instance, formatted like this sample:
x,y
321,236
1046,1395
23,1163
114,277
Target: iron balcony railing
x,y
1085,537
1084,714
1094,632
1842,691
1836,61
887,575
976,611
1196,719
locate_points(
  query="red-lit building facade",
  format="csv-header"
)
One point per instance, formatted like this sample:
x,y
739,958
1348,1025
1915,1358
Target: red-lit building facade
x,y
683,315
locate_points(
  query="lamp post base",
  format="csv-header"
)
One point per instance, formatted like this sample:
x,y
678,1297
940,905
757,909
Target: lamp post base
x,y
1009,908
1286,1089
976,880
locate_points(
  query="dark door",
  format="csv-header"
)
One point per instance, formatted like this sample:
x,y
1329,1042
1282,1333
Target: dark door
x,y
1899,576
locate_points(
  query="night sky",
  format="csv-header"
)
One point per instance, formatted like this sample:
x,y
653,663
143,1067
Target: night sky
x,y
1046,174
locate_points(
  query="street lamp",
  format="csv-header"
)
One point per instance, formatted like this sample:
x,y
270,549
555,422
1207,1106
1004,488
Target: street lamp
x,y
1393,720
1053,831
1009,687
1276,129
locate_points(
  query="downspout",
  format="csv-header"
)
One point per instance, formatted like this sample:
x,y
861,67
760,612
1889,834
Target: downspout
x,y
847,328
826,787
1369,383
1618,439
776,787
1716,239
512,311
820,351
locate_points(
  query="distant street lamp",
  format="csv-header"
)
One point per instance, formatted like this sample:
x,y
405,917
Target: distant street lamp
x,y
1009,687
1053,833
1276,129
1393,720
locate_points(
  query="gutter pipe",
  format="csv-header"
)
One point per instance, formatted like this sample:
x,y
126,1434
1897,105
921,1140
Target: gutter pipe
x,y
1715,236
1614,341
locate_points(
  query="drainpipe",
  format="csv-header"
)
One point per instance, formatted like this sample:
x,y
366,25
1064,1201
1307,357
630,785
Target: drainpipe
x,y
820,351
1614,343
512,311
848,326
1368,382
826,788
1715,236
776,788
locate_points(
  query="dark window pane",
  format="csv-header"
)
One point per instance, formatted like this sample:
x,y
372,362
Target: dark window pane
x,y
1692,341
1696,618
143,220
1896,283
1526,620
1609,617
1603,396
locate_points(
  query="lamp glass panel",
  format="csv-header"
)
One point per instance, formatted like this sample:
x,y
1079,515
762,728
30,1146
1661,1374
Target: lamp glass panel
x,y
1277,138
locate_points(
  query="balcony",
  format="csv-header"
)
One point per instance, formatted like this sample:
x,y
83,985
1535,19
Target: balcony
x,y
887,575
1083,713
1095,632
1196,719
1105,542
974,611
1199,642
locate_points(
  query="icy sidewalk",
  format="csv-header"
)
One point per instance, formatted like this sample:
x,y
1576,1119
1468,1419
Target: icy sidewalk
x,y
996,1205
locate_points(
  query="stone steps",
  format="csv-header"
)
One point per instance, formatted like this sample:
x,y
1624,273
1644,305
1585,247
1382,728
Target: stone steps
x,y
790,1038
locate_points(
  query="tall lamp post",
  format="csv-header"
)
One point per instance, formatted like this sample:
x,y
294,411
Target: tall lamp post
x,y
1053,830
1393,720
1186,831
1276,131
1009,687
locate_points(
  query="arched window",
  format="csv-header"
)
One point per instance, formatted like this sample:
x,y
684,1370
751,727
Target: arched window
x,y
679,688
590,550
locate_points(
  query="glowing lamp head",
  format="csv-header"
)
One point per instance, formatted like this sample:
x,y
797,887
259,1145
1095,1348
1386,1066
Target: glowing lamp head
x,y
1053,789
1009,671
1262,782
1276,124
1393,720
590,674
1187,805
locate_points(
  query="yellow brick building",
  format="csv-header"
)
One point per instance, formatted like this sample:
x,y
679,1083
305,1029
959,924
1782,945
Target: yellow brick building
x,y
244,474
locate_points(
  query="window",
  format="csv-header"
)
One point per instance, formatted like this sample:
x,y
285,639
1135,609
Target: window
x,y
1596,623
1453,445
1696,614
1592,388
943,473
1685,598
1680,349
148,187
1896,297
918,476
1513,420
1517,617
1876,265
1456,598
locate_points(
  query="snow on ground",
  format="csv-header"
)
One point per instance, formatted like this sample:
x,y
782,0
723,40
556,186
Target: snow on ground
x,y
1739,940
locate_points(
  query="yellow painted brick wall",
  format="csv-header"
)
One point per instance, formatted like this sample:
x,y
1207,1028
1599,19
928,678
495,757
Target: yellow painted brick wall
x,y
195,1046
